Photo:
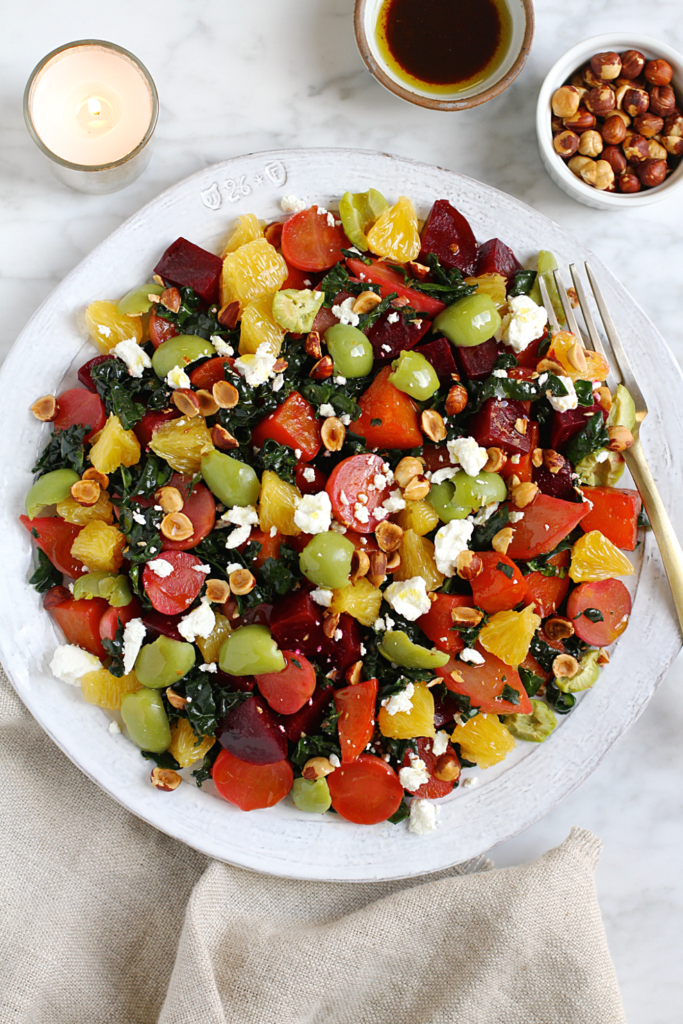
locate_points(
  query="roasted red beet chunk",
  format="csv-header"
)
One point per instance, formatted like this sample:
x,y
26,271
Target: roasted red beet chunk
x,y
185,265
477,362
440,354
390,338
558,484
84,376
252,733
496,426
496,258
566,425
308,719
297,624
448,235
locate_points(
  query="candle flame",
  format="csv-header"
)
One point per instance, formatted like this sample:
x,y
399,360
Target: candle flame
x,y
94,105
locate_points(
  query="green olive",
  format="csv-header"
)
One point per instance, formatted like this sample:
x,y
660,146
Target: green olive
x,y
588,673
397,647
414,375
51,488
350,350
250,651
145,718
180,351
533,728
88,586
469,321
135,302
117,591
463,494
233,482
600,469
164,662
358,212
326,560
311,796
296,310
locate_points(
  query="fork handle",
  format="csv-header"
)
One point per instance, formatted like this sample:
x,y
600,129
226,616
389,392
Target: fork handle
x,y
669,547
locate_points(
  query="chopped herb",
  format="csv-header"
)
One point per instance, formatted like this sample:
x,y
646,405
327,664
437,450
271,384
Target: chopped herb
x,y
375,422
594,614
543,653
401,814
507,570
339,280
296,663
447,285
484,534
464,705
530,681
591,438
164,760
315,746
524,282
64,450
509,694
584,391
470,634
561,702
46,574
574,646
115,649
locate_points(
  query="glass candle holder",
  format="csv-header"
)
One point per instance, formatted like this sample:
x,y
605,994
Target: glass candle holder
x,y
91,107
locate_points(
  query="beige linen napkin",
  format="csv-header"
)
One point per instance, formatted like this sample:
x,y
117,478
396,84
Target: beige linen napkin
x,y
104,919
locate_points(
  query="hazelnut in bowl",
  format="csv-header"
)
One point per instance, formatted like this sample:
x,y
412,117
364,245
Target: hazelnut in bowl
x,y
609,121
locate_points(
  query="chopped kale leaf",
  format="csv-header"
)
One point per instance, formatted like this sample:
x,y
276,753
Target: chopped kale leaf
x,y
64,450
46,574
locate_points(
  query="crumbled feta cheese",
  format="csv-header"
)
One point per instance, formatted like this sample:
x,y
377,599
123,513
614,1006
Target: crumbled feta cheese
x,y
394,503
307,282
345,418
363,650
446,473
345,314
297,452
238,536
471,782
327,410
440,743
256,367
114,727
322,212
380,513
309,474
338,635
467,452
290,204
542,379
514,459
423,815
337,527
177,378
133,635
523,324
334,760
415,774
321,596
409,598
339,380
472,656
393,318
233,567
206,569
244,517
278,381
222,347
565,402
139,518
515,517
200,622
380,481
400,701
70,663
602,456
386,348
361,513
485,513
379,624
449,542
273,531
330,220
313,513
209,667
133,355
499,373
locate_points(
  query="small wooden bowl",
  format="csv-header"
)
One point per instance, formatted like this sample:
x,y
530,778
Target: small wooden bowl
x,y
366,14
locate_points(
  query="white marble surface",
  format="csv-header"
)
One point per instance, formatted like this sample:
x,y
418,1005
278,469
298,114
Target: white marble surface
x,y
235,78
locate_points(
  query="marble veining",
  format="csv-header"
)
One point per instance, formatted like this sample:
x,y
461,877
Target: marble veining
x,y
236,78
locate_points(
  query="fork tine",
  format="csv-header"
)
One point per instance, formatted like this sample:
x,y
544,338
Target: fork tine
x,y
549,308
595,341
566,305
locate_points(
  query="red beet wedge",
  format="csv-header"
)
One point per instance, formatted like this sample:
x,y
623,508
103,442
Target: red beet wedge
x,y
185,265
440,354
496,258
448,235
496,423
252,733
389,339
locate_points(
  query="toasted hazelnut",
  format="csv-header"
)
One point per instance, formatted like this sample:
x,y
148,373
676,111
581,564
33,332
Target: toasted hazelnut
x,y
456,400
577,80
332,434
658,72
225,394
432,425
469,617
635,148
636,101
469,565
564,666
170,499
502,540
94,474
521,425
394,562
648,124
537,457
366,301
615,158
456,676
186,400
673,124
323,368
604,396
655,151
601,100
576,356
558,628
388,536
590,79
553,461
408,468
524,494
45,409
447,768
208,406
652,172
54,596
353,673
513,481
360,564
222,438
273,233
418,489
620,438
377,572
170,299
86,492
217,591
603,657
566,143
662,100
176,700
177,526
673,144
600,175
228,315
330,625
613,130
165,779
495,461
241,582
565,101
313,345
556,124
581,121
577,165
606,65
317,768
632,63
628,182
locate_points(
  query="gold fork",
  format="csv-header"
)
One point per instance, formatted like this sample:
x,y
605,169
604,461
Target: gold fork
x,y
621,372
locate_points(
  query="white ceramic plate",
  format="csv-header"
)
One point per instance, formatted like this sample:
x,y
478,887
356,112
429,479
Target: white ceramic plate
x,y
282,841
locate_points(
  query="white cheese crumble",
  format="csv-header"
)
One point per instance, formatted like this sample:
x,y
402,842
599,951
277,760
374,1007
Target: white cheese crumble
x,y
415,774
256,367
177,378
345,314
322,597
330,220
327,410
221,345
409,598
400,702
139,518
515,517
291,204
449,542
273,531
70,663
440,743
200,622
446,473
485,513
133,635
361,513
472,656
500,373
202,568
345,418
338,635
523,324
114,727
566,402
392,318
339,380
313,513
278,382
135,357
209,667
380,481
337,527
467,452
309,474
471,782
394,503
514,459
423,815
244,517
233,567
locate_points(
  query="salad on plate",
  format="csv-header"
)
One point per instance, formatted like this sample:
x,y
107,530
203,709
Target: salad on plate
x,y
333,515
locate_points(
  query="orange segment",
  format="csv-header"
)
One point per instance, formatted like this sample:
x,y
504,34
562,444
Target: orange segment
x,y
417,559
259,326
106,690
100,547
509,634
185,746
594,557
183,443
394,234
81,514
252,271
277,505
405,725
210,646
108,327
114,447
248,229
597,366
360,599
484,740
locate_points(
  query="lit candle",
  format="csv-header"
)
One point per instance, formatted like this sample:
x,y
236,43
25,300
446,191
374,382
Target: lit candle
x,y
92,107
